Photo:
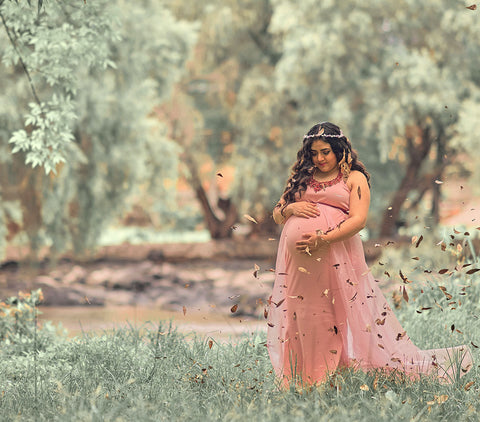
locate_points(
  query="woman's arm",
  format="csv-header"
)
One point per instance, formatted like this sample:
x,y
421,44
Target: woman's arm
x,y
357,217
302,209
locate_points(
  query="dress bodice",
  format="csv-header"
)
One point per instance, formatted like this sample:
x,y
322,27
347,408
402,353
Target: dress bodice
x,y
336,194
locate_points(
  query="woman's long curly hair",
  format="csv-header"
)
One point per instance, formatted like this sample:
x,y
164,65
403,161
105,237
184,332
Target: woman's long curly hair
x,y
303,169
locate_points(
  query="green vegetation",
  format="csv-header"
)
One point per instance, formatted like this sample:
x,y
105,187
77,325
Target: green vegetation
x,y
155,373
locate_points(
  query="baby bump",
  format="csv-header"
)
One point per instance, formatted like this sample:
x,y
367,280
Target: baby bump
x,y
295,226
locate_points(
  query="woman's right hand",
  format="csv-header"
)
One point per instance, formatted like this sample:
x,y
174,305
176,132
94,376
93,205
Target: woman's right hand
x,y
303,209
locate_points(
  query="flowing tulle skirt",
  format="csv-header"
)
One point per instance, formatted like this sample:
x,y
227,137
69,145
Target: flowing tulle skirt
x,y
326,311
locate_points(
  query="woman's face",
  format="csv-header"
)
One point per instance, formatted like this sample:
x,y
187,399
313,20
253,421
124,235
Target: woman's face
x,y
323,157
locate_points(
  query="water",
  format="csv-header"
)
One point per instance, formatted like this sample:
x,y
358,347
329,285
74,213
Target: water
x,y
98,319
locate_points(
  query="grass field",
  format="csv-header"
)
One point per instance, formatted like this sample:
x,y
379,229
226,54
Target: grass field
x,y
155,373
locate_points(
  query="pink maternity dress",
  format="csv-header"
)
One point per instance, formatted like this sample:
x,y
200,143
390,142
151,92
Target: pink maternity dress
x,y
326,310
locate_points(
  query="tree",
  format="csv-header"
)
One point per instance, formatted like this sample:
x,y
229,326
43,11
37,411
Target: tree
x,y
395,75
103,84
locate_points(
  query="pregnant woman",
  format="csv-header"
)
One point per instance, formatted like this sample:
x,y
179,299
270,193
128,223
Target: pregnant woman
x,y
326,311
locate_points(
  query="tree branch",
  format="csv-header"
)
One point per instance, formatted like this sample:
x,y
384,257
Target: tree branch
x,y
27,73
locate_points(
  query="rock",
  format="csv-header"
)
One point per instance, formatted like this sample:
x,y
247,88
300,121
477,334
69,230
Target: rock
x,y
77,275
44,281
119,297
99,277
62,296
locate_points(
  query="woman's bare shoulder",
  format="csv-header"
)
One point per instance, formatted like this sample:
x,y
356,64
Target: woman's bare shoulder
x,y
356,178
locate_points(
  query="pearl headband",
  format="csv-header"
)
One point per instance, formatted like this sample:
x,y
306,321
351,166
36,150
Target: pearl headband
x,y
323,135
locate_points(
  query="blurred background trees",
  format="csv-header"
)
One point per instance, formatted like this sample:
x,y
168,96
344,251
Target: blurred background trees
x,y
187,116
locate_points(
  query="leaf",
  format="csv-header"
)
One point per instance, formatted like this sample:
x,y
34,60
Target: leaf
x,y
472,7
473,271
443,271
265,313
234,308
184,310
219,174
364,387
468,385
474,345
379,321
256,269
403,277
270,324
381,346
280,303
416,258
248,217
359,193
334,352
405,294
438,182
294,316
325,292
419,241
303,270
210,344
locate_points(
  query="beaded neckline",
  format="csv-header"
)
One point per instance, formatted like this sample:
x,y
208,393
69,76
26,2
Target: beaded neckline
x,y
316,185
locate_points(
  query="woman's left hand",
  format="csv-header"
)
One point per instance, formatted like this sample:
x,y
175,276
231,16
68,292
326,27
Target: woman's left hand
x,y
312,242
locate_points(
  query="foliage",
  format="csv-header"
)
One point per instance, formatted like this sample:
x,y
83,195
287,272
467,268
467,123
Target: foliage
x,y
19,333
156,373
104,84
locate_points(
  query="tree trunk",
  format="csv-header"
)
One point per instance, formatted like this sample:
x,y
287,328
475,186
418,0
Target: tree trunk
x,y
219,228
418,148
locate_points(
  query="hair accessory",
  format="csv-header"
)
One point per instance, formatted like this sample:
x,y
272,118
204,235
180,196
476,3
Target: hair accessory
x,y
345,165
323,135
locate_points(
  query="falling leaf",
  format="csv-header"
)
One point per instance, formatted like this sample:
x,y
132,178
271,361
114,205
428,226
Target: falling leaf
x,y
359,193
333,352
452,327
414,239
368,328
270,324
474,345
387,273
473,271
280,302
403,277
336,329
396,360
459,248
405,294
248,217
443,271
401,335
256,270
438,182
210,344
325,292
419,241
364,387
381,346
234,308
184,310
379,321
303,270
265,313
354,297
271,238
472,7
468,385
320,132
416,258
220,174
294,316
